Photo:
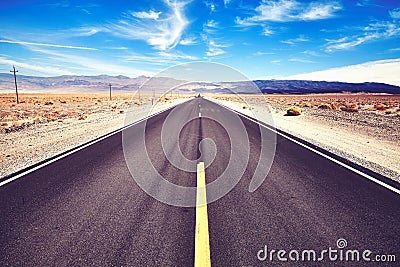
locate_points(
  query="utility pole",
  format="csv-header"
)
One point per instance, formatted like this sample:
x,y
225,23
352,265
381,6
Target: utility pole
x,y
15,81
110,91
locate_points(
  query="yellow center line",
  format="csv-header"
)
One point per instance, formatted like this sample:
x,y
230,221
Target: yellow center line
x,y
202,242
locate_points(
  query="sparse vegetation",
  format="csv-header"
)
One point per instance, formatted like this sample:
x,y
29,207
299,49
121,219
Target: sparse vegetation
x,y
349,108
325,106
293,111
45,108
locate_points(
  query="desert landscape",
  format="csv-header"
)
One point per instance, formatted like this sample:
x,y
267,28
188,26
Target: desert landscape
x,y
360,127
44,125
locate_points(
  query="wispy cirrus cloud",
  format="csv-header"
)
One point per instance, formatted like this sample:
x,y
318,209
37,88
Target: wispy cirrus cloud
x,y
87,63
46,45
294,41
35,67
372,32
210,30
211,26
160,58
188,41
290,10
301,60
163,30
215,49
147,15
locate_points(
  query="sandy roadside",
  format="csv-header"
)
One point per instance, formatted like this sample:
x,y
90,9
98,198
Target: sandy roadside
x,y
368,139
24,147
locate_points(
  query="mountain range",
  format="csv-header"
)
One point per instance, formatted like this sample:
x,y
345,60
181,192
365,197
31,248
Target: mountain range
x,y
100,83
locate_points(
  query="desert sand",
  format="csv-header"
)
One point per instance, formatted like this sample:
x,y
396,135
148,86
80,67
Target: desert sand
x,y
363,128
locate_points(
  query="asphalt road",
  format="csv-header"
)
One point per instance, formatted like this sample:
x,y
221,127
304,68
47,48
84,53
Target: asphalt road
x,y
85,209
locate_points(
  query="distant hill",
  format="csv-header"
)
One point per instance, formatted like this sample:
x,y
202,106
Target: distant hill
x,y
91,84
303,87
69,83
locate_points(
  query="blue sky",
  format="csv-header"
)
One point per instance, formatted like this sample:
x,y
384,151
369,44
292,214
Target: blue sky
x,y
262,39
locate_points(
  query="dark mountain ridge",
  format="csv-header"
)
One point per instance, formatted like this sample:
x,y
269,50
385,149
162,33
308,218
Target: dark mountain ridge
x,y
99,83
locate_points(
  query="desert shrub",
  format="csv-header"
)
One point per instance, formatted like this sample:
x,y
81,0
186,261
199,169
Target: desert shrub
x,y
349,108
380,106
293,111
306,104
82,117
325,106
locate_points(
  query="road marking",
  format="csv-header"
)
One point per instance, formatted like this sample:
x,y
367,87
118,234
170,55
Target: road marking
x,y
80,147
202,241
369,177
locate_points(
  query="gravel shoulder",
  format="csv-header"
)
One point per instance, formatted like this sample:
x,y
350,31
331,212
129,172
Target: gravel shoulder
x,y
24,146
368,139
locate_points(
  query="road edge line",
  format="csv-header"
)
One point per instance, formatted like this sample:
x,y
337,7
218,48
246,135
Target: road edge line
x,y
18,174
281,133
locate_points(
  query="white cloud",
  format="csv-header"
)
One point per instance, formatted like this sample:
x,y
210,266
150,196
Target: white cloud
x,y
163,33
146,15
161,58
299,39
215,49
244,22
262,53
35,68
311,53
301,60
395,13
188,41
88,31
91,65
317,11
291,10
267,31
226,2
384,71
210,27
176,56
374,31
47,45
364,3
210,5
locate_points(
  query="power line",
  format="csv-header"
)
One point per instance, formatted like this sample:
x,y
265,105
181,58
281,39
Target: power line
x,y
15,81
